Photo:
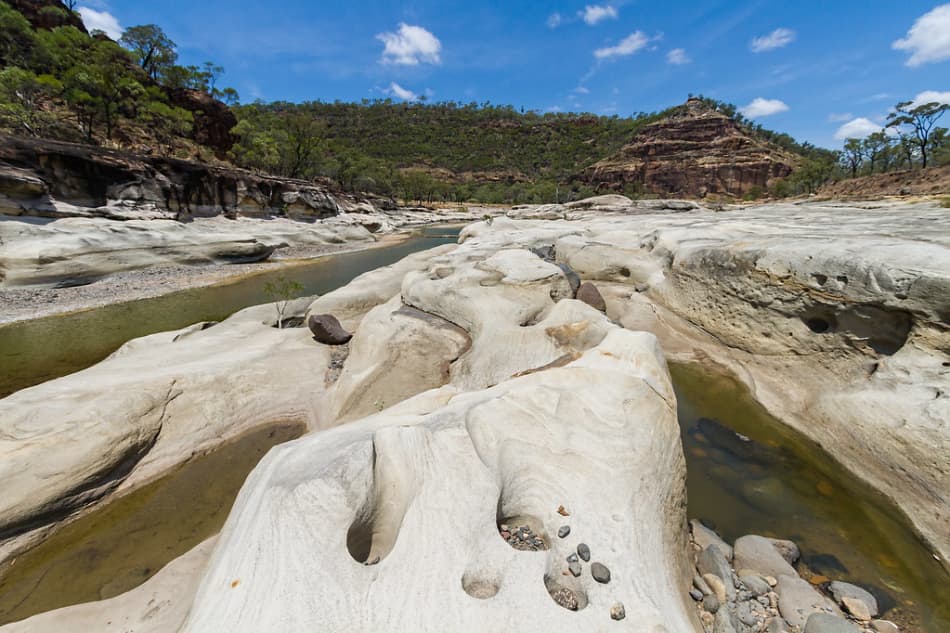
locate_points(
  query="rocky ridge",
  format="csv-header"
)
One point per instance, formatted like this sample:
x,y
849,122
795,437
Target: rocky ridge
x,y
694,153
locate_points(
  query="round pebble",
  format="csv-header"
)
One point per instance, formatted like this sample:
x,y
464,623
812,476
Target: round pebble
x,y
600,572
617,612
583,551
563,531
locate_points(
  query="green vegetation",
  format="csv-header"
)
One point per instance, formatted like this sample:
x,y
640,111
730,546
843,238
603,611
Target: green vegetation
x,y
455,152
910,139
66,84
282,291
945,202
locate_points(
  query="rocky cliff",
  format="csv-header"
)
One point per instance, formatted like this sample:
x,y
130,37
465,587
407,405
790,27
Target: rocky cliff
x,y
696,152
55,179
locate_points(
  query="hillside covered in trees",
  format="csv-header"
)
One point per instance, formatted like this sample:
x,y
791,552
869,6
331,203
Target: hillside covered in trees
x,y
453,151
61,82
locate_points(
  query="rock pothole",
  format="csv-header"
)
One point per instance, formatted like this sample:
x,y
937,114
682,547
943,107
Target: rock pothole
x,y
479,587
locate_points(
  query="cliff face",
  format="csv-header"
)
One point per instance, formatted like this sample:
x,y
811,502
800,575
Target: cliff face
x,y
53,179
697,152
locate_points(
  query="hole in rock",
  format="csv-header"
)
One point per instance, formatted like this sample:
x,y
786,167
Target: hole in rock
x,y
821,279
520,530
291,322
565,592
625,272
479,587
818,325
374,530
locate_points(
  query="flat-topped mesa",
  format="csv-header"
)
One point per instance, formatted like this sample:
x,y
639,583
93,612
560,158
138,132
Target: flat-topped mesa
x,y
694,152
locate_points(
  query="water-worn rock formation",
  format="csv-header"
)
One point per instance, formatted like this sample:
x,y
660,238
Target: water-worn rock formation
x,y
54,179
696,152
535,401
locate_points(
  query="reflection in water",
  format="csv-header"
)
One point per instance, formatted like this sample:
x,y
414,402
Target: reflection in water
x,y
749,474
126,542
35,351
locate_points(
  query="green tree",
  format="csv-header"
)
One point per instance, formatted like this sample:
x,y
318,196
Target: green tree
x,y
876,148
22,97
853,155
920,121
282,290
153,50
17,40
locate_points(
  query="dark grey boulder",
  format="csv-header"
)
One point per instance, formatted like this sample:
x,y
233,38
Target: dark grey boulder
x,y
571,276
327,329
841,590
589,294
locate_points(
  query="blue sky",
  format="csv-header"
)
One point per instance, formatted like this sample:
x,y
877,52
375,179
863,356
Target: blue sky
x,y
807,67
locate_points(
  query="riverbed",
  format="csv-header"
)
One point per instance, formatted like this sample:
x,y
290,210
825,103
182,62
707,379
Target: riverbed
x,y
747,473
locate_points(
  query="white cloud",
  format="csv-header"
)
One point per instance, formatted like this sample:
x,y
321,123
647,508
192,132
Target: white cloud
x,y
763,107
401,93
630,45
678,56
839,118
581,90
776,39
857,128
554,20
410,46
595,13
928,40
101,21
931,96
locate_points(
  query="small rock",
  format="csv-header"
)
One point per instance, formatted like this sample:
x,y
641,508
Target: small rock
x,y
788,549
326,329
797,600
828,623
723,623
696,594
700,584
575,569
583,551
718,587
562,511
705,537
760,554
572,558
563,531
565,597
617,612
884,626
842,590
589,294
713,561
858,608
711,603
745,614
707,619
775,625
771,580
600,572
755,583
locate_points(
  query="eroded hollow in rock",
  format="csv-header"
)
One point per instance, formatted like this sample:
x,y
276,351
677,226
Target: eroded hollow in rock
x,y
820,324
520,530
479,587
566,592
375,528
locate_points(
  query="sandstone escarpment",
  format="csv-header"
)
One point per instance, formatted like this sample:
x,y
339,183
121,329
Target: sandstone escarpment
x,y
696,152
55,179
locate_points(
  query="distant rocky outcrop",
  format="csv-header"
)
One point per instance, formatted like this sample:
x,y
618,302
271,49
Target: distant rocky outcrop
x,y
40,15
213,119
56,179
696,152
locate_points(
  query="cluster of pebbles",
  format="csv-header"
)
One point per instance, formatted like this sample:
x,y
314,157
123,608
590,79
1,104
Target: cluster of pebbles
x,y
522,537
754,587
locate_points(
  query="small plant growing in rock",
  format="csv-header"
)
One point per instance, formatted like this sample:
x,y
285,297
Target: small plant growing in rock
x,y
487,219
945,202
281,291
